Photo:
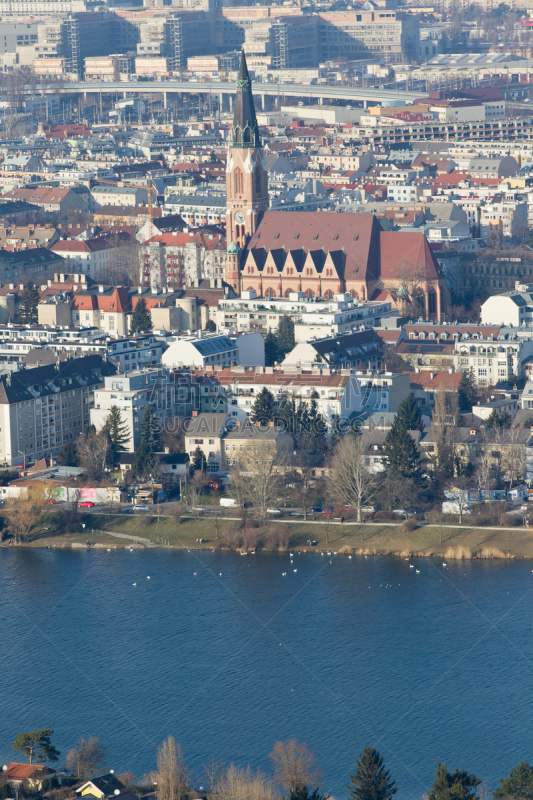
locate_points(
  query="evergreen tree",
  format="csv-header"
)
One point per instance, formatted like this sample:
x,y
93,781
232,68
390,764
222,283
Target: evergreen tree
x,y
117,430
457,785
141,319
199,462
303,793
409,416
210,326
6,791
68,455
518,784
316,427
143,460
285,335
498,419
467,391
271,349
264,407
371,780
400,455
27,310
149,430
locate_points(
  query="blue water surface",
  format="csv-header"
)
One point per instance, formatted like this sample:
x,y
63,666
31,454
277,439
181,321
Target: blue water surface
x,y
340,654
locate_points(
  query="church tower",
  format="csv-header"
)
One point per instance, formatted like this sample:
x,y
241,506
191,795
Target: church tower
x,y
246,175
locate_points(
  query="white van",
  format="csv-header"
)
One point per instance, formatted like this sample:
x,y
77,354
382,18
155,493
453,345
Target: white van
x,y
229,502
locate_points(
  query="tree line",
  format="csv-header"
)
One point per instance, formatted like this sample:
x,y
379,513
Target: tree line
x,y
295,774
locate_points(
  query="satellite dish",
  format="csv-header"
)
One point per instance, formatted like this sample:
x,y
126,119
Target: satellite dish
x,y
117,791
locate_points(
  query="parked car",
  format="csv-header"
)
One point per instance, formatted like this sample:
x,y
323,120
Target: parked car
x,y
229,502
316,509
368,509
85,504
274,511
141,507
328,510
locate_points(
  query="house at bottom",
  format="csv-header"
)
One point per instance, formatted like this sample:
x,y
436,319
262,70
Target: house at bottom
x,y
104,786
26,777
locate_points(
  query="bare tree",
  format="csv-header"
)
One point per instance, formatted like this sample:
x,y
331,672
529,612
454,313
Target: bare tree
x,y
294,765
93,452
125,263
254,477
87,757
25,513
127,778
213,770
243,784
513,458
172,771
457,493
350,481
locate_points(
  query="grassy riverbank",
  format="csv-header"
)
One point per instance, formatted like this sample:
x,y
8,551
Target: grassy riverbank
x,y
446,541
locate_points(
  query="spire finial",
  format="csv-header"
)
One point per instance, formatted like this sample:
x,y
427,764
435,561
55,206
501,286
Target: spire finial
x,y
245,130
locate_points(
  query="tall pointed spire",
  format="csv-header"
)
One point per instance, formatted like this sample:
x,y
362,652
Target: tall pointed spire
x,y
245,130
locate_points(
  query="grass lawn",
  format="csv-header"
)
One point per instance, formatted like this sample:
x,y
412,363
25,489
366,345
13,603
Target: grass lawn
x,y
368,539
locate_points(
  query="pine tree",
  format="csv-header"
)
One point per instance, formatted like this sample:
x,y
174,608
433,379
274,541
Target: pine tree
x,y
141,319
518,785
457,785
498,419
400,455
68,455
371,780
409,416
149,430
285,335
29,301
118,431
317,427
467,391
198,460
143,460
264,407
210,326
271,349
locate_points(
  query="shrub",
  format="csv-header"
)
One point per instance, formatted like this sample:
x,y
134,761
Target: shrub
x,y
409,525
385,515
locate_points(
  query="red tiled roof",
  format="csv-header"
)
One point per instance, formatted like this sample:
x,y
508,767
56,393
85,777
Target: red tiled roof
x,y
435,380
21,772
406,252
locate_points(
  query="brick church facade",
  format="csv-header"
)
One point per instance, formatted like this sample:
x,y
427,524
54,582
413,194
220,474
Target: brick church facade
x,y
318,253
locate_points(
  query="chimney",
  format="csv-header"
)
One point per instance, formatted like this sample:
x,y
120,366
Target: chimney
x,y
100,288
139,289
167,451
195,413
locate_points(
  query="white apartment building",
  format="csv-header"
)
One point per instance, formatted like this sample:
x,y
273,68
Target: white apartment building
x,y
131,392
510,210
201,350
312,317
492,360
510,308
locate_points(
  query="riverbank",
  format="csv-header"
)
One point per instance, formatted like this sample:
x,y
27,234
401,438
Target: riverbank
x,y
448,541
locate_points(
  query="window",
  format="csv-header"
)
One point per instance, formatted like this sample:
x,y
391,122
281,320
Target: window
x,y
237,181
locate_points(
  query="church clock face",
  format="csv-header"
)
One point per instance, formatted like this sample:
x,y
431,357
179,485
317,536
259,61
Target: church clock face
x,y
239,218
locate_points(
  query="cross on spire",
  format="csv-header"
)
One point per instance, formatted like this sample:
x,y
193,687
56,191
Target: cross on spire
x,y
245,130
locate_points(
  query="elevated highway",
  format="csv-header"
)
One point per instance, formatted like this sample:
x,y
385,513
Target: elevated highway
x,y
226,91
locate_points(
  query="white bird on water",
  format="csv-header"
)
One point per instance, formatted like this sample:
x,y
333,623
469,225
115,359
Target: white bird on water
x,y
411,566
417,572
295,570
445,565
147,577
134,584
283,574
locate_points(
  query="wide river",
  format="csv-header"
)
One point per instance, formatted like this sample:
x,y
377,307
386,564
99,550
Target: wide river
x,y
229,655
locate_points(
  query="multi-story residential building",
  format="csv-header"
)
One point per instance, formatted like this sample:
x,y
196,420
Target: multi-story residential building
x,y
343,394
201,350
94,257
392,36
118,196
198,209
44,408
338,315
506,215
184,258
509,308
492,361
360,349
131,392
